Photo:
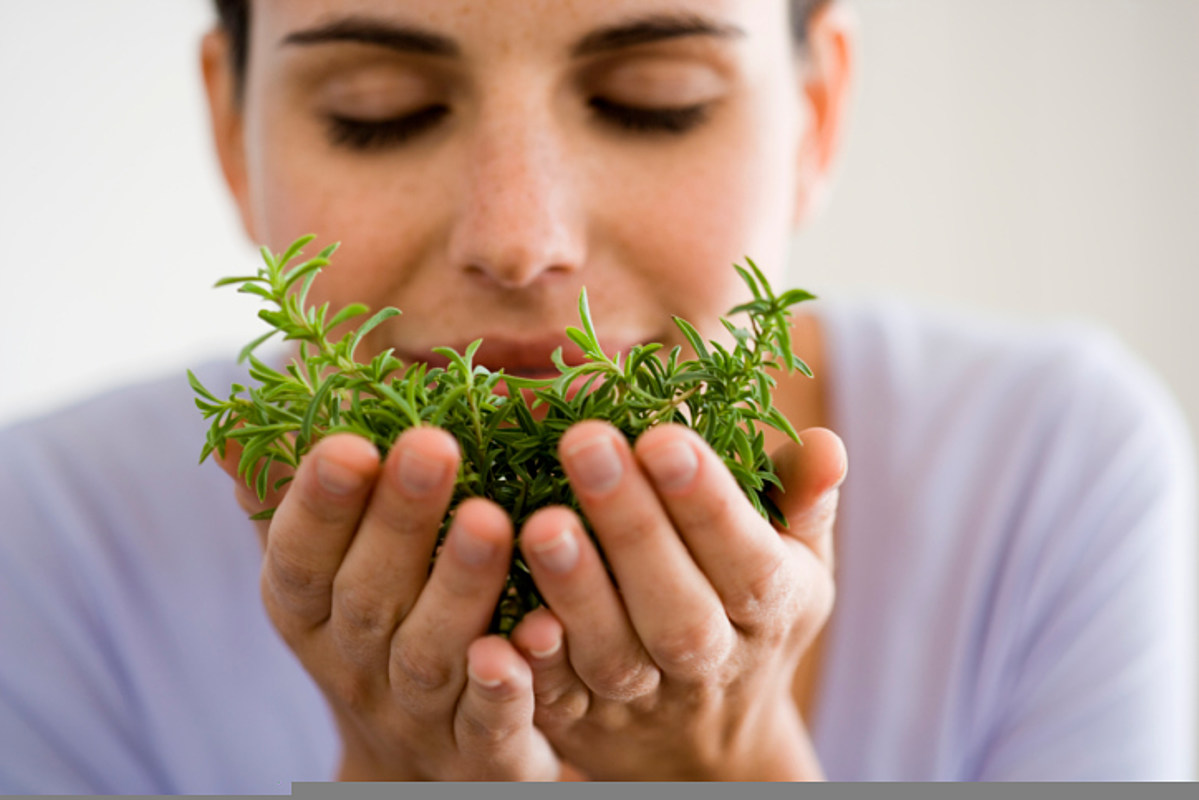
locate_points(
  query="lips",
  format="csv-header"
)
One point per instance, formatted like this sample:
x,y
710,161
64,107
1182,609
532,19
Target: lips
x,y
528,358
525,358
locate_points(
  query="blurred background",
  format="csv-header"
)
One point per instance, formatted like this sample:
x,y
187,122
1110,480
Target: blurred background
x,y
1029,158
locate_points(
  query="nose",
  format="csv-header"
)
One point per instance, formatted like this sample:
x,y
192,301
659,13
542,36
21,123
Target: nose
x,y
518,217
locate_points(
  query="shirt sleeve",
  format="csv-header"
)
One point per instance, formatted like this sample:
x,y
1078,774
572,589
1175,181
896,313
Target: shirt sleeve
x,y
135,654
67,724
1102,660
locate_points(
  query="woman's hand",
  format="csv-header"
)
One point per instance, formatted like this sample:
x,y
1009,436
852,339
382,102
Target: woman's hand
x,y
685,671
417,688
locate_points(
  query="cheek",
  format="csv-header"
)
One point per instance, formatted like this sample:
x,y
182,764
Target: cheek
x,y
383,216
687,218
758,183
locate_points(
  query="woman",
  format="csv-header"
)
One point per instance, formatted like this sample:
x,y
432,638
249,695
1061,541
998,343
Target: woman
x,y
1017,509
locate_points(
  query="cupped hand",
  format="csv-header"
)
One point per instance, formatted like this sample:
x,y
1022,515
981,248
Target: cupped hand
x,y
679,665
419,691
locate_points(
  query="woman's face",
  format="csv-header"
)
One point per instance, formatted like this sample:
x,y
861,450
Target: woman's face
x,y
482,162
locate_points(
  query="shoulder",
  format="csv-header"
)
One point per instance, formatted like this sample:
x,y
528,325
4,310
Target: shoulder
x,y
107,496
1027,492
1015,432
130,577
111,461
969,394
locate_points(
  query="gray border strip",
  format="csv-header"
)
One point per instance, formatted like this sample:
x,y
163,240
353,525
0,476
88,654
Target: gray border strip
x,y
743,791
719,791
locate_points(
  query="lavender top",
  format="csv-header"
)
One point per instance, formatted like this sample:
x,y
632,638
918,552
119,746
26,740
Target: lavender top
x,y
1015,587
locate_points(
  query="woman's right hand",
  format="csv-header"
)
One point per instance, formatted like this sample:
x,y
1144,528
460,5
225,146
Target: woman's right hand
x,y
418,688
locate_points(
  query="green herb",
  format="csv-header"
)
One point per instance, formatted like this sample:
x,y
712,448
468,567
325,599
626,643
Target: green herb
x,y
508,454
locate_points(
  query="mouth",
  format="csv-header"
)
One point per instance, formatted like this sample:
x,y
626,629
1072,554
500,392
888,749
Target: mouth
x,y
526,358
519,357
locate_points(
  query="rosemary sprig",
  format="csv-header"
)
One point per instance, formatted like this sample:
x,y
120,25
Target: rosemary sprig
x,y
508,454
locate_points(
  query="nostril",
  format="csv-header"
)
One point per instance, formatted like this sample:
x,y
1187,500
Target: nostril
x,y
515,275
512,248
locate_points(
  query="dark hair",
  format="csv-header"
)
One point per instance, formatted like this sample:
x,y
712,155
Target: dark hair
x,y
234,18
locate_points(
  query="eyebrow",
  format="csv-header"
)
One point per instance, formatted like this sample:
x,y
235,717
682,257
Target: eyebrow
x,y
653,28
411,39
365,30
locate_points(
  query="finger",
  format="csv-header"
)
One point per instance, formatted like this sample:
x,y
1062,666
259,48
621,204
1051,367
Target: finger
x,y
737,549
562,696
493,722
246,496
674,609
388,559
454,609
811,476
605,651
312,528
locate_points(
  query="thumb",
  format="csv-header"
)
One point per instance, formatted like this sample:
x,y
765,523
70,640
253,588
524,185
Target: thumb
x,y
811,475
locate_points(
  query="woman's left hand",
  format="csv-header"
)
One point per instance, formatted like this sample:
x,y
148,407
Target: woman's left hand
x,y
685,671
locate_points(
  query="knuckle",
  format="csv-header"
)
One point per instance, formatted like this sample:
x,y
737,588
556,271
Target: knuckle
x,y
295,601
622,681
763,598
557,707
630,532
696,648
290,577
351,691
418,669
485,734
361,612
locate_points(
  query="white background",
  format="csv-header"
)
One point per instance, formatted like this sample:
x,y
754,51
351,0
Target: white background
x,y
1035,158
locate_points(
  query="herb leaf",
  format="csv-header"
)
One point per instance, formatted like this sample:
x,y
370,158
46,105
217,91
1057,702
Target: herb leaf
x,y
509,454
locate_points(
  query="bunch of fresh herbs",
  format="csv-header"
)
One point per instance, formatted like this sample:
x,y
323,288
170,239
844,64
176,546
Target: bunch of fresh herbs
x,y
509,453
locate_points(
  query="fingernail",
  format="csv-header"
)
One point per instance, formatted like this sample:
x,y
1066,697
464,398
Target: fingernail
x,y
491,684
558,554
337,478
672,465
595,464
420,474
549,651
471,549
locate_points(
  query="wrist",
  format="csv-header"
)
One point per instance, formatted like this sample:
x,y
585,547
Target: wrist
x,y
360,762
358,768
779,750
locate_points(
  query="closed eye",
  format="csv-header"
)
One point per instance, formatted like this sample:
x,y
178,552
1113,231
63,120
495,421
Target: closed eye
x,y
650,120
360,134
